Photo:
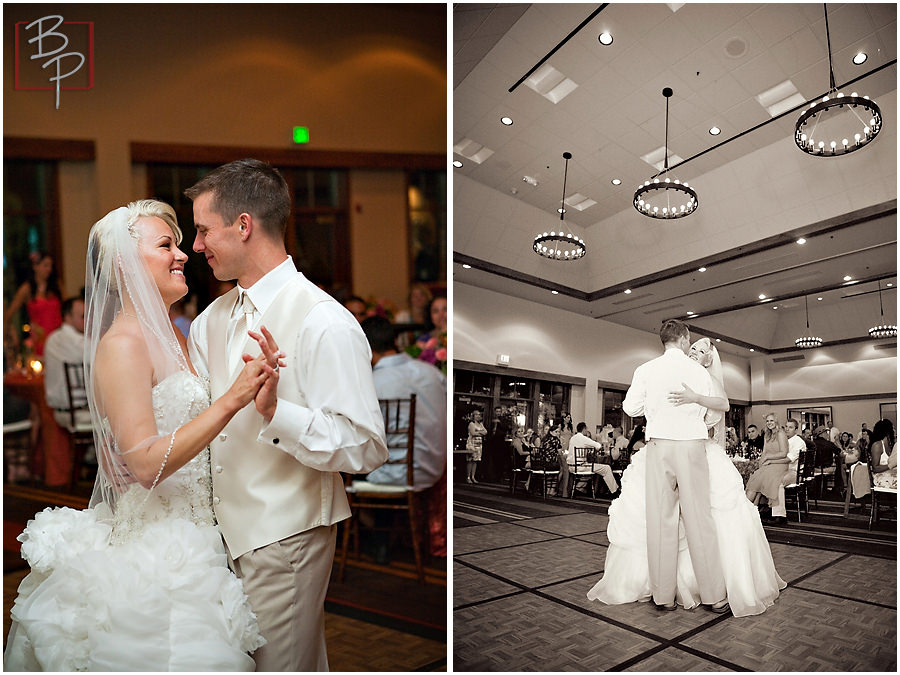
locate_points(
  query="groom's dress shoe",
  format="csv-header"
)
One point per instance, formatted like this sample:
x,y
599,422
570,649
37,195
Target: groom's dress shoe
x,y
720,607
666,608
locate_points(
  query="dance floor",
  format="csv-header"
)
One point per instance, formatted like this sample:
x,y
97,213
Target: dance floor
x,y
522,567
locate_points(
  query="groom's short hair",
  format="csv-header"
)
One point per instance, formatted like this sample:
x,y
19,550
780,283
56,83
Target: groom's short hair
x,y
580,427
671,330
251,186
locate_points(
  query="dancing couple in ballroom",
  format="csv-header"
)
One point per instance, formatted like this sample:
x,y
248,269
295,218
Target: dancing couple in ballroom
x,y
211,529
683,532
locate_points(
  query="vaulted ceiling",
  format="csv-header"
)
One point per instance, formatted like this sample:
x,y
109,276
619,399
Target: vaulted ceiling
x,y
758,192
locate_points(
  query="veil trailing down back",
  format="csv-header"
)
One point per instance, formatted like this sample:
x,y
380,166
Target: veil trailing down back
x,y
751,581
138,581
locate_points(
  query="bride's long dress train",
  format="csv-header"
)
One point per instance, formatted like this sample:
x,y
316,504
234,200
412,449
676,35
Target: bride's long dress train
x,y
145,589
751,581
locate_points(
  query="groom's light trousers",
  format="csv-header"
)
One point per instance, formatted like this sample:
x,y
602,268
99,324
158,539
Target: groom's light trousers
x,y
286,583
678,486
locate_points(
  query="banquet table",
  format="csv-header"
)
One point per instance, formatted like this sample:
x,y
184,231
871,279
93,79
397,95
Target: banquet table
x,y
745,466
52,457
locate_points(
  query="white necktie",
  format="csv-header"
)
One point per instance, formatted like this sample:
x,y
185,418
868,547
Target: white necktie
x,y
242,322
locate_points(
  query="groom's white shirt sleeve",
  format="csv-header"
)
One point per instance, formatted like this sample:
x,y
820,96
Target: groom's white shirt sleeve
x,y
340,428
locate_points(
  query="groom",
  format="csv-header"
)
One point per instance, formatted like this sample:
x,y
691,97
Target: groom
x,y
277,493
677,471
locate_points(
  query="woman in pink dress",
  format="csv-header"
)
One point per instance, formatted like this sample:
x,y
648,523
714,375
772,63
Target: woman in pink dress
x,y
41,297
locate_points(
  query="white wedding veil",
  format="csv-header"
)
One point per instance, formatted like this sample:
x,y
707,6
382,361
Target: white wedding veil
x,y
120,288
713,365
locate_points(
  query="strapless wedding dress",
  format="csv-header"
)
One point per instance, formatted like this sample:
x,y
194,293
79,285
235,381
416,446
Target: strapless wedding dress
x,y
147,588
751,581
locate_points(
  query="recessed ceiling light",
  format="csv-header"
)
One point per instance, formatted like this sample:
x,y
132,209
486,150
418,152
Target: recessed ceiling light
x,y
506,120
627,291
847,278
616,181
467,267
801,241
555,292
752,350
774,306
605,38
819,298
690,312
702,269
889,285
860,58
762,296
718,339
457,163
715,131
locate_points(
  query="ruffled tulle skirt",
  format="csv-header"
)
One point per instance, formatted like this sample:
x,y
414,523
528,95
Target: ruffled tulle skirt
x,y
751,581
164,600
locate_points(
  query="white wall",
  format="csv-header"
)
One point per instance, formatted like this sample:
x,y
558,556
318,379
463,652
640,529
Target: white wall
x,y
549,340
553,341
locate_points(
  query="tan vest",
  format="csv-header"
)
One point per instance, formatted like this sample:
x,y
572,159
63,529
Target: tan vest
x,y
261,494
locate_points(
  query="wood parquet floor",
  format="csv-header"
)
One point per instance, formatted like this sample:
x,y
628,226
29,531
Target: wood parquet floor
x,y
522,567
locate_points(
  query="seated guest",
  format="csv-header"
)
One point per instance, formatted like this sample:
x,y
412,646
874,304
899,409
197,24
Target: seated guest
x,y
767,479
754,441
553,456
522,449
65,345
845,441
397,375
856,459
827,454
884,459
580,440
357,307
619,448
796,445
417,312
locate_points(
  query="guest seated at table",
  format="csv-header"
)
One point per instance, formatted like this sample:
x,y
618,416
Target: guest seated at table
x,y
731,441
846,439
522,449
553,456
884,459
357,307
767,479
856,459
397,375
417,312
754,441
828,455
581,440
65,345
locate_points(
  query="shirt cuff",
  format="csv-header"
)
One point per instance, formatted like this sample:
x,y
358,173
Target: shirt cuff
x,y
285,426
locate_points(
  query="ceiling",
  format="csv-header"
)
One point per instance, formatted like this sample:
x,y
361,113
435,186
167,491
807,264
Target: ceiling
x,y
717,58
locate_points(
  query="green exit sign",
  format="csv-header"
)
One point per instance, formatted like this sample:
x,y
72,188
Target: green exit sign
x,y
301,135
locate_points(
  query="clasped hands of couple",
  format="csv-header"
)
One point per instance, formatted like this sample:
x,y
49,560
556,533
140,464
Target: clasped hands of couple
x,y
258,381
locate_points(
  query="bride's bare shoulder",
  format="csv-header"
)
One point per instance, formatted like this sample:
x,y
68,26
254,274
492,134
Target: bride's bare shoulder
x,y
123,349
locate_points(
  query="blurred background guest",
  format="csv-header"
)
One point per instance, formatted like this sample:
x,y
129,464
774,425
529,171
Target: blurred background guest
x,y
178,315
419,301
64,345
884,459
357,307
42,299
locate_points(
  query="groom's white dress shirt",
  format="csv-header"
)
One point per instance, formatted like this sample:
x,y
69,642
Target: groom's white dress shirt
x,y
648,396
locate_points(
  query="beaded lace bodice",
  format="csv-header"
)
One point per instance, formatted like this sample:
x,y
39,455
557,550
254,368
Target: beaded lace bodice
x,y
187,493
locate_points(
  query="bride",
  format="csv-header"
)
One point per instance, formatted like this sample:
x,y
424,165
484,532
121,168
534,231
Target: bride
x,y
138,581
751,581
